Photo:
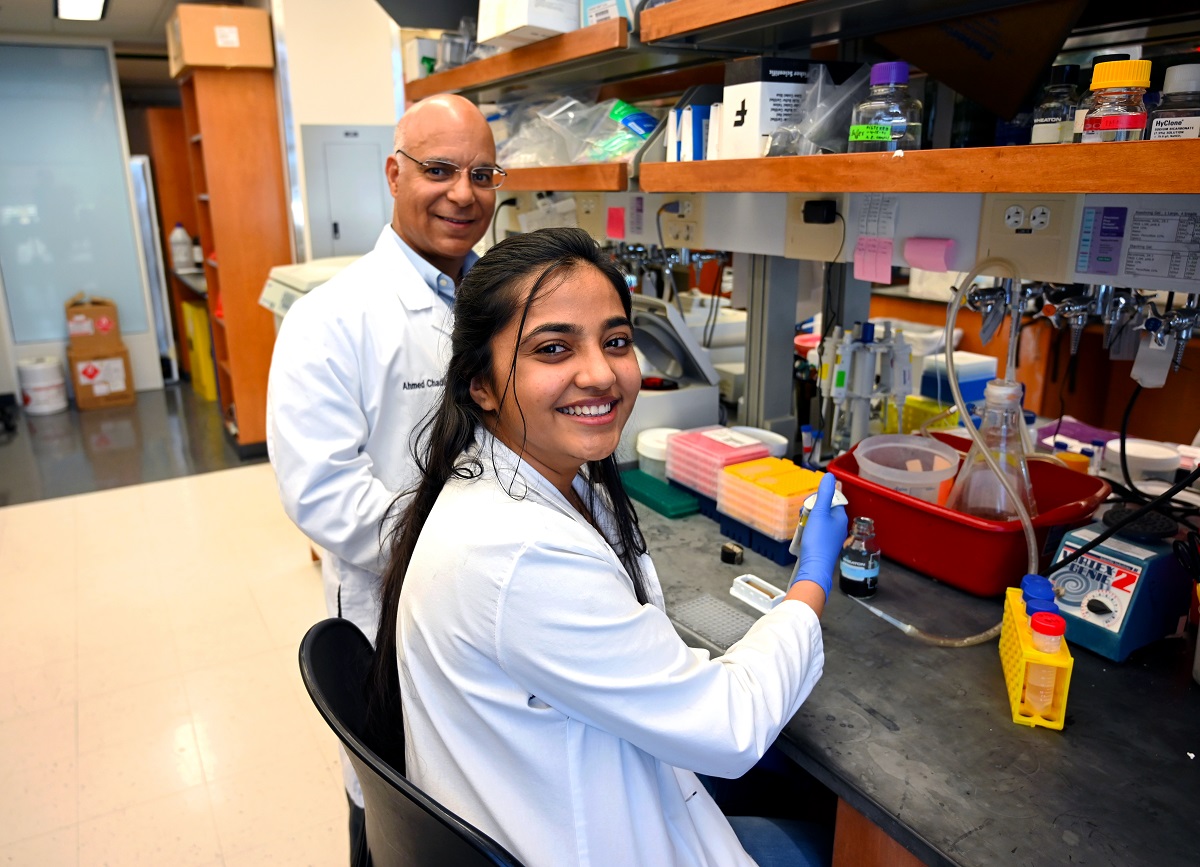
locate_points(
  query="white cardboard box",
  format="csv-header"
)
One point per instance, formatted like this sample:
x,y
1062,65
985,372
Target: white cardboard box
x,y
594,11
761,95
512,23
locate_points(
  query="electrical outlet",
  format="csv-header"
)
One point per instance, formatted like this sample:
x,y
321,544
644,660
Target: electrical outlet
x,y
682,229
590,214
1035,234
819,242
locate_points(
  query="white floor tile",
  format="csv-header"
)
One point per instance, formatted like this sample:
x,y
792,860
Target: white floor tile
x,y
132,772
151,709
57,849
177,830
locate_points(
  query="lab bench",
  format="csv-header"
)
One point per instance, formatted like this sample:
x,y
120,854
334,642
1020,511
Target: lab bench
x,y
920,741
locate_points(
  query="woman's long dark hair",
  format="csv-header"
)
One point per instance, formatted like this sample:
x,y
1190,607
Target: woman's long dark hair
x,y
484,304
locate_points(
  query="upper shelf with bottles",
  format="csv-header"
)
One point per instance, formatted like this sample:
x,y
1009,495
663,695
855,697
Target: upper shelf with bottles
x,y
665,62
589,56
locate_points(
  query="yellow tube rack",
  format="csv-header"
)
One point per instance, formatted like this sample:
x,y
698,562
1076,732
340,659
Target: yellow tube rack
x,y
1016,652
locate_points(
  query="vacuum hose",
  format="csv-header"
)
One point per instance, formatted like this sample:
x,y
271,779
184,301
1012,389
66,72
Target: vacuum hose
x,y
1022,512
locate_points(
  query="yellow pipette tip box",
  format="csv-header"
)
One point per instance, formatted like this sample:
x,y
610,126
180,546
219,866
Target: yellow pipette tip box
x,y
1016,652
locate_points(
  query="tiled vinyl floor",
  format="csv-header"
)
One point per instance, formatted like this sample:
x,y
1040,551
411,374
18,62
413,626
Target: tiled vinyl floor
x,y
151,708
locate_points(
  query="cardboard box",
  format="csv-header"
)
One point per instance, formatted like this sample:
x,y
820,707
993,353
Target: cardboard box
x,y
101,378
513,23
225,36
761,95
594,11
93,324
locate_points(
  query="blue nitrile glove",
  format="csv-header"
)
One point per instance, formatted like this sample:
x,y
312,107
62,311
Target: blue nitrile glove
x,y
820,540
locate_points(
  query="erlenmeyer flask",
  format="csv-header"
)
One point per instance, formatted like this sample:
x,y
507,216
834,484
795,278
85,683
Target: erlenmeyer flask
x,y
977,491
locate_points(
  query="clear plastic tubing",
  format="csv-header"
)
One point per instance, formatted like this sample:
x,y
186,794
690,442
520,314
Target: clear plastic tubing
x,y
1040,679
1031,546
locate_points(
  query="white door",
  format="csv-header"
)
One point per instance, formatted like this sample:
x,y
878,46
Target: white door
x,y
354,174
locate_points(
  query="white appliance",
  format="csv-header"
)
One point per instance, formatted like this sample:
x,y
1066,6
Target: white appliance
x,y
667,348
286,283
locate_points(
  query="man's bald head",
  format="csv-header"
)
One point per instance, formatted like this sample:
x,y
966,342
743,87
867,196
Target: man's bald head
x,y
440,213
442,110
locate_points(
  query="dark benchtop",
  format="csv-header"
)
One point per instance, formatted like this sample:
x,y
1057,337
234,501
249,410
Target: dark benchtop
x,y
920,739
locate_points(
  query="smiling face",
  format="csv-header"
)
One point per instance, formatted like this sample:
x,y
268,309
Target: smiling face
x,y
441,220
575,378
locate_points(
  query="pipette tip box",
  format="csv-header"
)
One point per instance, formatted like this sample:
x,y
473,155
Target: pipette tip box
x,y
668,500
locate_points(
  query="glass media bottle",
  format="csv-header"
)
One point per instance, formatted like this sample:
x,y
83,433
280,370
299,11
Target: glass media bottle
x,y
859,563
1178,115
1054,118
889,119
1118,113
976,490
1088,99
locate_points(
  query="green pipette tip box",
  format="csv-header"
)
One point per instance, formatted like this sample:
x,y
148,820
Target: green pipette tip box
x,y
658,495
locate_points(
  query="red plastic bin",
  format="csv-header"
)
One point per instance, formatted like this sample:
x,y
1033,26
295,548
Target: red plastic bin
x,y
981,557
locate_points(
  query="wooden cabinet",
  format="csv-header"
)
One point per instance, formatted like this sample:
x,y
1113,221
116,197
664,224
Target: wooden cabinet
x,y
237,178
166,145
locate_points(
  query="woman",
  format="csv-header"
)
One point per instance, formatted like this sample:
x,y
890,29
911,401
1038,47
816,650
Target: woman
x,y
547,699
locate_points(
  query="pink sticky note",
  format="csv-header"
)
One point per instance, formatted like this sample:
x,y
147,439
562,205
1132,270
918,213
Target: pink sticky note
x,y
873,259
615,227
929,254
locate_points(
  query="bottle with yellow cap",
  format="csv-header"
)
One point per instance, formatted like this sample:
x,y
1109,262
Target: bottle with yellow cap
x,y
1119,113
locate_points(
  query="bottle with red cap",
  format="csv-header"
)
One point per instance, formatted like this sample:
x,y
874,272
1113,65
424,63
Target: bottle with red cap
x,y
889,119
1040,679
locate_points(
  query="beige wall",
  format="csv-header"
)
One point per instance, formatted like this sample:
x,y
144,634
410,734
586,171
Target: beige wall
x,y
339,71
339,61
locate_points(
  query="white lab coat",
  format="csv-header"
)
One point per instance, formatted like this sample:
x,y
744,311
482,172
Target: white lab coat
x,y
358,363
547,707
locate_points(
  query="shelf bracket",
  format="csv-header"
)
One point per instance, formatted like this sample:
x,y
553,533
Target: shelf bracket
x,y
773,284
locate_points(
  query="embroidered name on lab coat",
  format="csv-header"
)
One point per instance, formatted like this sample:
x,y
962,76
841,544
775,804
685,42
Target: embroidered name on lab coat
x,y
428,383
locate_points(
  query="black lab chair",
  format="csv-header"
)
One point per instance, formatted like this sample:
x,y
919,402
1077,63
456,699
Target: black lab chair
x,y
404,826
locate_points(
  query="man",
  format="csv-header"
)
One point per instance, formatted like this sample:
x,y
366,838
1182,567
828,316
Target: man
x,y
359,360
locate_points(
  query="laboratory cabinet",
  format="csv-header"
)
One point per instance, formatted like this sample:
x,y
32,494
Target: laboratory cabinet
x,y
917,742
237,181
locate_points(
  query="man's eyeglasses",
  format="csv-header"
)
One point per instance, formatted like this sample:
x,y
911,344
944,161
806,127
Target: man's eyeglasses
x,y
443,172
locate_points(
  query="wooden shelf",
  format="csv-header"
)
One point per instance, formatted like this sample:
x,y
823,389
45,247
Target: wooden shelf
x,y
1124,167
777,25
601,53
194,281
595,177
245,221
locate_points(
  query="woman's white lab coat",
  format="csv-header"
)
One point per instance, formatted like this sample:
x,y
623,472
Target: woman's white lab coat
x,y
546,706
357,364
